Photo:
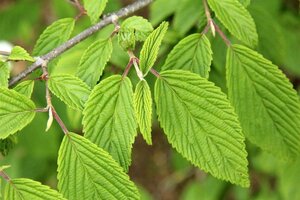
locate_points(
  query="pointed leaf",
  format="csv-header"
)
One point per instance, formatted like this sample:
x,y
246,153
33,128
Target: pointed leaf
x,y
193,53
143,109
93,61
151,46
21,189
267,105
4,74
200,123
109,118
54,35
236,19
70,89
94,9
16,111
25,88
86,171
18,53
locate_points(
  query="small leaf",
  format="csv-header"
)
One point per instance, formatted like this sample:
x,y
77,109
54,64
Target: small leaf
x,y
18,53
25,88
236,19
54,35
267,105
94,9
151,46
22,189
70,89
143,109
133,29
201,124
16,111
86,171
4,74
93,61
109,118
193,53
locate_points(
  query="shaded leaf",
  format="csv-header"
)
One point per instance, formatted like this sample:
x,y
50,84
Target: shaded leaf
x,y
94,9
18,53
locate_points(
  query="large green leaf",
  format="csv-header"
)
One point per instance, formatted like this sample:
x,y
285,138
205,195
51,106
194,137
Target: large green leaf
x,y
4,74
93,61
267,105
193,53
201,124
16,111
23,189
18,53
151,46
25,88
143,109
54,35
70,89
94,9
86,171
236,19
109,118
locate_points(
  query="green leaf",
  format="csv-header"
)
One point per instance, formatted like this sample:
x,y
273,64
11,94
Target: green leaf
x,y
22,189
54,35
184,20
4,74
201,124
161,9
16,111
86,171
93,61
18,53
7,144
133,29
143,109
245,3
267,105
94,9
109,118
193,53
236,19
25,88
151,46
70,89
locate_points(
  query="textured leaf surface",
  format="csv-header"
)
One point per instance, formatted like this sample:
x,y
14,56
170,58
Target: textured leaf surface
x,y
94,9
143,109
4,74
86,171
133,29
23,189
54,35
70,89
200,123
16,111
193,53
109,118
151,46
236,19
267,105
18,53
25,88
93,61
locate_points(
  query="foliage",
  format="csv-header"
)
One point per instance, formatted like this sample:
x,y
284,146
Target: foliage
x,y
233,115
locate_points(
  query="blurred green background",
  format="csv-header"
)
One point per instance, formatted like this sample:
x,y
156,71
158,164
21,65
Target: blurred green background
x,y
159,171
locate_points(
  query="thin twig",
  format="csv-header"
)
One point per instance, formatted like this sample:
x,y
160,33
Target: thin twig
x,y
155,73
5,176
128,67
80,37
222,34
59,121
4,53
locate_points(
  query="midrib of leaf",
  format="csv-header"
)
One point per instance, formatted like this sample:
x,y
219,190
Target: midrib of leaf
x,y
85,169
263,103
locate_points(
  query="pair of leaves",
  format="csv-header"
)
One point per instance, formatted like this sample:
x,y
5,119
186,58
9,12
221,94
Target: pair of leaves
x,y
16,111
267,105
236,19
